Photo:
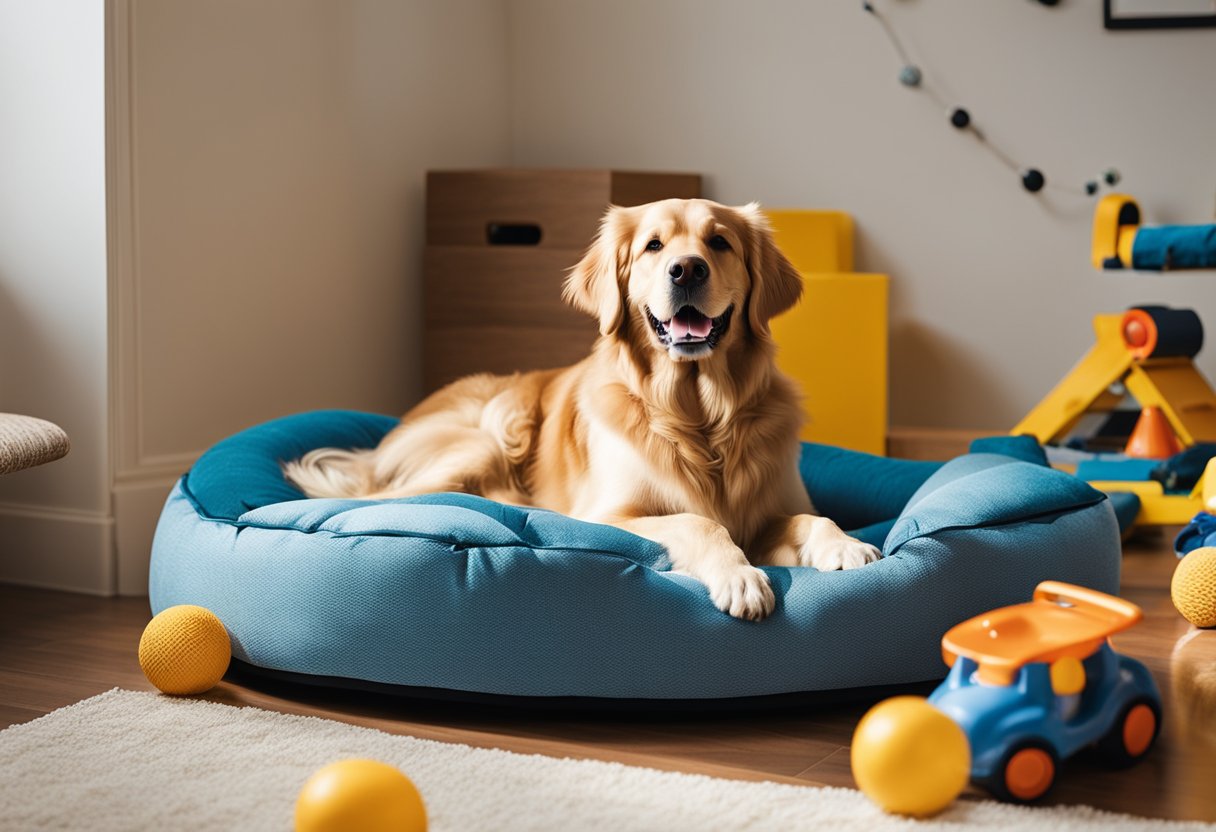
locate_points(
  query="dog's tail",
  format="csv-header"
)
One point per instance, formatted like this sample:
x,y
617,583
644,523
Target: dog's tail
x,y
332,472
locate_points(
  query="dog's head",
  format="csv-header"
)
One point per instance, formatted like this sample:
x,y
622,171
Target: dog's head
x,y
688,276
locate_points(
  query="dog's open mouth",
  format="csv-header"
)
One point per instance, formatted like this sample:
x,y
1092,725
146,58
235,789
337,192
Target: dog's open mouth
x,y
691,330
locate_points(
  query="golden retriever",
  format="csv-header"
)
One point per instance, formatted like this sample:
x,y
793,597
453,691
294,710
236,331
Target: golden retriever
x,y
678,427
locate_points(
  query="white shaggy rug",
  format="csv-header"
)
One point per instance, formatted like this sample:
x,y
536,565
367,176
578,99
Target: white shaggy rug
x,y
135,761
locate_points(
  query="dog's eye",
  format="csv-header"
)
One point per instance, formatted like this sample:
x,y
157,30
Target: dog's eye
x,y
654,245
719,243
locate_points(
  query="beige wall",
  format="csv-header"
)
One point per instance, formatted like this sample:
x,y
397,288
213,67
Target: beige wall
x,y
268,165
279,158
797,104
260,167
54,520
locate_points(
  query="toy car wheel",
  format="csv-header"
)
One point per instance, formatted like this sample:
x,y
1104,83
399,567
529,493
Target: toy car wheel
x,y
1026,772
1132,734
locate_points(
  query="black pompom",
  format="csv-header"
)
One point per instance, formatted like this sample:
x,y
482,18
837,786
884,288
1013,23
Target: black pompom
x,y
960,118
1091,188
1032,180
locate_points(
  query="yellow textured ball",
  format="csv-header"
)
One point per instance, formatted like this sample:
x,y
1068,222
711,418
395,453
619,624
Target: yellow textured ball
x,y
185,649
1194,587
909,757
360,794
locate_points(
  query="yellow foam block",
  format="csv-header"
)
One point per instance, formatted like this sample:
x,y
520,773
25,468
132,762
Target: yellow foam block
x,y
834,344
814,241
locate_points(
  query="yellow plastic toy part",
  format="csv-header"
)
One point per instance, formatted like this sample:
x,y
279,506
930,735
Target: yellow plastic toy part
x,y
1002,641
1086,386
1127,243
1172,384
1177,387
1116,220
1122,354
1158,508
1067,676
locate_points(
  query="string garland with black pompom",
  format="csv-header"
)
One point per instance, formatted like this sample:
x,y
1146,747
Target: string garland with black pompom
x,y
1033,179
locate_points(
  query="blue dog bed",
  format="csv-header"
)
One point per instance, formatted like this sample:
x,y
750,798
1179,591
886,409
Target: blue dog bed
x,y
457,595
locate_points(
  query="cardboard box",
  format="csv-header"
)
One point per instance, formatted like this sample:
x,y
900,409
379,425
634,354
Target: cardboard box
x,y
499,245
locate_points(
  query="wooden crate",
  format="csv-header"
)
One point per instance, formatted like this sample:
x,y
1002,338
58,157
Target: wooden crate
x,y
499,244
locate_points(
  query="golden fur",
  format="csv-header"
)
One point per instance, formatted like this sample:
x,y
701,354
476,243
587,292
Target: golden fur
x,y
694,445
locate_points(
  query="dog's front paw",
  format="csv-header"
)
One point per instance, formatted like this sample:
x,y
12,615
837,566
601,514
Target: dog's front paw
x,y
742,591
837,552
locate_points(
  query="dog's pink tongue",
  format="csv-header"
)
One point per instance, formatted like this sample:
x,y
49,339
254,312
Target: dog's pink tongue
x,y
692,323
688,323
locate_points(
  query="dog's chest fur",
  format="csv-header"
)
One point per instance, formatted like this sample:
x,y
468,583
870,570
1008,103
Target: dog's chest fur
x,y
673,449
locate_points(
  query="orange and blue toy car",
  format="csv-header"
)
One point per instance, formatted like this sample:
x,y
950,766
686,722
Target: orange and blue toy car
x,y
1033,684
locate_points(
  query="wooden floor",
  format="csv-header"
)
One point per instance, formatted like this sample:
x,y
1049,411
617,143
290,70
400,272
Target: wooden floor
x,y
58,648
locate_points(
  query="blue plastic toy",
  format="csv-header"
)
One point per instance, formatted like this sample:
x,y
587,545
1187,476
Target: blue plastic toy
x,y
1033,684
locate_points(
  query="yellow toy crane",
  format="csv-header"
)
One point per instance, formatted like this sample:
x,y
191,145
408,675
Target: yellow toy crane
x,y
1146,352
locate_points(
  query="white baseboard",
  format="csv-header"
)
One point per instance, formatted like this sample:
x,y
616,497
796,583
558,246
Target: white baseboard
x,y
54,548
81,551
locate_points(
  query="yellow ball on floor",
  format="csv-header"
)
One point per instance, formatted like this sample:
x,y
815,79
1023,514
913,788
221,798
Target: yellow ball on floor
x,y
360,794
1194,587
909,757
184,650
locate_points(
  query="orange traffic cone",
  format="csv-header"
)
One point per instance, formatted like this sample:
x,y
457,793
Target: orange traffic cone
x,y
1152,438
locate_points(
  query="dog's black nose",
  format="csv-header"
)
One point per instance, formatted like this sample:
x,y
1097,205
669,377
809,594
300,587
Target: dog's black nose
x,y
688,270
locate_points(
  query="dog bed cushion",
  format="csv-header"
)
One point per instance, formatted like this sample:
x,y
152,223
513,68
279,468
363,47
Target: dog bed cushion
x,y
455,593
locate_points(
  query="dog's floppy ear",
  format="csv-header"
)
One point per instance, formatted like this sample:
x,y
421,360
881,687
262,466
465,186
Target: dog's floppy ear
x,y
596,284
776,284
